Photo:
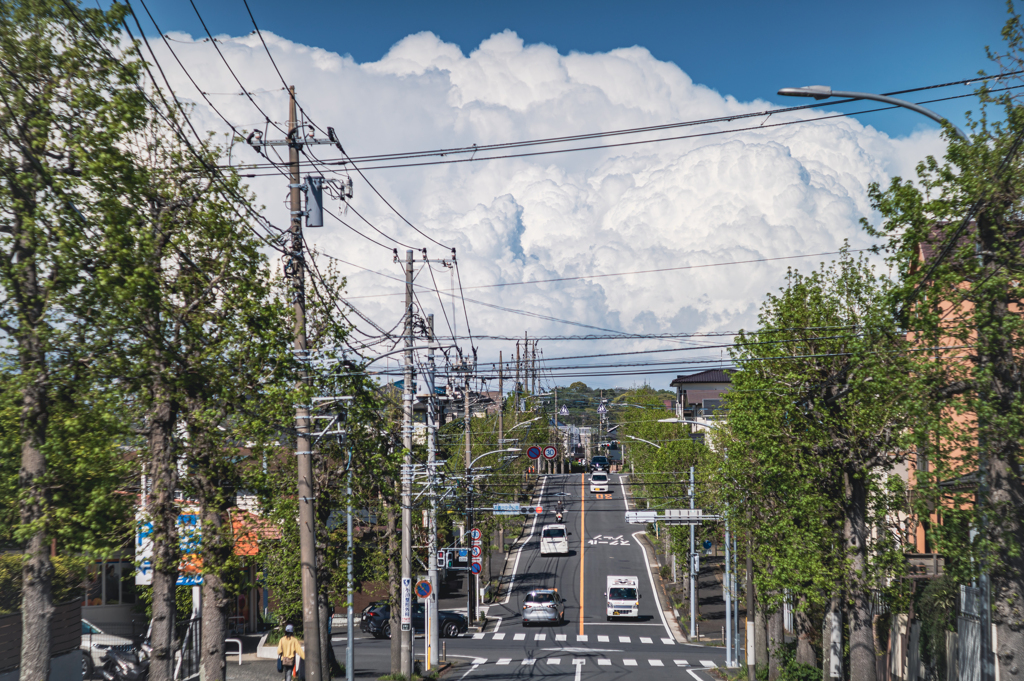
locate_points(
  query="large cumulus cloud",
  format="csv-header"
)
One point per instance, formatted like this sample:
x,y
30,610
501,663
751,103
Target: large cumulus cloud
x,y
763,193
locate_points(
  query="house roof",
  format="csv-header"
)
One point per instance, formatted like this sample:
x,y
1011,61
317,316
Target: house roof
x,y
709,376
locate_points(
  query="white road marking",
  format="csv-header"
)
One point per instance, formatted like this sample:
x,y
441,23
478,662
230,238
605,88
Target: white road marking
x,y
707,663
602,639
528,661
668,641
681,663
693,674
579,669
559,637
554,660
629,663
519,553
497,626
623,639
579,661
480,660
498,637
478,636
645,639
539,637
604,662
654,587
656,663
518,637
582,638
504,660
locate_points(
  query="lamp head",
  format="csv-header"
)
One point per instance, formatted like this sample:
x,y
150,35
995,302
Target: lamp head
x,y
816,91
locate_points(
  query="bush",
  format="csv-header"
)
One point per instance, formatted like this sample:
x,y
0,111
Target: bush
x,y
68,578
277,634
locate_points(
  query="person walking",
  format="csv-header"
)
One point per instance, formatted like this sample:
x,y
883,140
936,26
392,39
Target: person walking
x,y
289,652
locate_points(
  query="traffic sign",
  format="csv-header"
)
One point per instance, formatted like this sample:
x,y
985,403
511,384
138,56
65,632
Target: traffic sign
x,y
506,509
550,452
463,555
602,409
476,551
475,534
564,411
423,589
707,544
476,568
533,452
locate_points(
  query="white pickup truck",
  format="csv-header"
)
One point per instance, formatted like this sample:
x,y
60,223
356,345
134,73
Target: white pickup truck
x,y
623,594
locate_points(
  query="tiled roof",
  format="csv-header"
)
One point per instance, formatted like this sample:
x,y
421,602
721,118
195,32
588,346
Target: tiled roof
x,y
709,376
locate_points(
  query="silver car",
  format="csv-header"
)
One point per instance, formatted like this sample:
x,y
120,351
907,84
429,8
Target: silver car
x,y
543,606
96,643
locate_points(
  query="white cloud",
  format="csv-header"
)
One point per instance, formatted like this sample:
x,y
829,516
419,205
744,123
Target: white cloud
x,y
769,192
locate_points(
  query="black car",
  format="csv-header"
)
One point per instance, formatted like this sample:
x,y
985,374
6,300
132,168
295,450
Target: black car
x,y
599,463
376,620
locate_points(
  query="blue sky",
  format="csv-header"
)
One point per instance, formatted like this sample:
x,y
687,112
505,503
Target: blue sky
x,y
744,49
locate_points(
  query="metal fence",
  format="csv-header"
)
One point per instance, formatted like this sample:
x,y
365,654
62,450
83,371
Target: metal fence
x,y
188,636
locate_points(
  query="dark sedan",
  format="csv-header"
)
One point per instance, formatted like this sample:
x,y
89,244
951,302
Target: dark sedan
x,y
376,620
600,463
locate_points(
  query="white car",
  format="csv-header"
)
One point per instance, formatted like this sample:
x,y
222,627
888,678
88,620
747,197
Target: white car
x,y
553,540
599,482
96,643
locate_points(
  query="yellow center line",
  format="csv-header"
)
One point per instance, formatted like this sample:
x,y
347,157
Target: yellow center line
x,y
583,540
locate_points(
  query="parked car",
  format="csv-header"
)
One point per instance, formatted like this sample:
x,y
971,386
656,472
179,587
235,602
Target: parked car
x,y
376,620
600,463
96,643
599,482
543,606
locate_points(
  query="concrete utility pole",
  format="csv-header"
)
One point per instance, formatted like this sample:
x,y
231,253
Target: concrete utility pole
x,y
501,402
751,637
694,574
471,591
407,396
558,433
433,642
307,534
516,391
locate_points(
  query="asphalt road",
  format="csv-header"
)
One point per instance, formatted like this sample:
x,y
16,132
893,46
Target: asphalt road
x,y
587,645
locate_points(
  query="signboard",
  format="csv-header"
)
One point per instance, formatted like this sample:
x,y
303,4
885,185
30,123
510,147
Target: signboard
x,y
506,509
189,539
550,452
641,517
423,589
406,603
477,567
533,452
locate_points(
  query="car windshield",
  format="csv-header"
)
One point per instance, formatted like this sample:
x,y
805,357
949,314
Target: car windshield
x,y
543,599
554,532
600,459
599,478
622,594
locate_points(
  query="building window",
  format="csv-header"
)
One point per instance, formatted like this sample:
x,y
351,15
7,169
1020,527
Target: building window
x,y
110,583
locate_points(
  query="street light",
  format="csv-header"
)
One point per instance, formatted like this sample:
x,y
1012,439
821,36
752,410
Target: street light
x,y
643,440
824,92
470,582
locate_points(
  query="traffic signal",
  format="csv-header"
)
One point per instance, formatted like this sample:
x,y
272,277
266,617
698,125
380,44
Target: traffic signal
x,y
530,510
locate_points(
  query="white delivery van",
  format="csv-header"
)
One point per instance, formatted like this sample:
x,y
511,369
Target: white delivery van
x,y
553,540
623,595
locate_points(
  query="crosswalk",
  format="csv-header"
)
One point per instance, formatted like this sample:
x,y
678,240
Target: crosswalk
x,y
579,638
601,662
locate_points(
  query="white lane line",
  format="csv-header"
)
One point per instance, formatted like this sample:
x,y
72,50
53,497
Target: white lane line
x,y
654,588
645,639
707,663
694,674
504,660
681,663
518,637
497,626
554,660
656,663
623,639
476,663
519,553
559,637
668,641
629,663
478,636
539,637
579,668
528,661
602,639
604,662
582,638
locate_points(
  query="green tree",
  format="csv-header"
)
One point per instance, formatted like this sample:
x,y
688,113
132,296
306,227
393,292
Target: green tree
x,y
65,106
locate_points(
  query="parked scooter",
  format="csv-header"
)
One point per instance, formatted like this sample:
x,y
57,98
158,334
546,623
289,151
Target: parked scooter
x,y
119,665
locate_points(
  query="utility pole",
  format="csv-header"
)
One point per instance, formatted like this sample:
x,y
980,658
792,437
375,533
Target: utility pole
x,y
407,396
471,591
307,534
501,402
558,433
694,574
433,642
516,391
751,637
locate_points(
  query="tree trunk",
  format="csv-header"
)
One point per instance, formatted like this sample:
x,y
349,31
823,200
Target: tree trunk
x,y
394,587
858,602
802,625
163,513
776,641
1007,578
326,651
760,635
217,549
37,570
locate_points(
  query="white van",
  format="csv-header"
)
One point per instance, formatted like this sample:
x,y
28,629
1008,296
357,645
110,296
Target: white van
x,y
553,539
623,595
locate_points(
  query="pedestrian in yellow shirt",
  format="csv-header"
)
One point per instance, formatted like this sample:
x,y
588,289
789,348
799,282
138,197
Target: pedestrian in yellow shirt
x,y
289,652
